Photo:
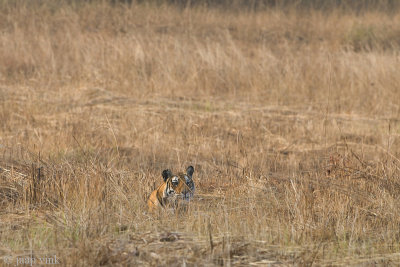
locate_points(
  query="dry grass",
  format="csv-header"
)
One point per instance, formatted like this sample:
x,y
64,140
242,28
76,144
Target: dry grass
x,y
290,119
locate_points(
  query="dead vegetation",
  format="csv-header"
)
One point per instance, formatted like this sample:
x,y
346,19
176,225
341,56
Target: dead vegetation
x,y
291,122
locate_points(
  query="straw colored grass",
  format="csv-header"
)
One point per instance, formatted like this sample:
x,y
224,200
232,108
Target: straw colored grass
x,y
290,119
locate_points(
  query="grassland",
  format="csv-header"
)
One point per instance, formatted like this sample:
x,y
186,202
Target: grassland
x,y
290,118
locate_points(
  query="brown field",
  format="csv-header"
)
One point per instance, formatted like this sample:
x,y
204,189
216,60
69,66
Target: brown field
x,y
291,119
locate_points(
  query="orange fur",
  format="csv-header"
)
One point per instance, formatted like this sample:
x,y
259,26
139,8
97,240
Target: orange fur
x,y
173,188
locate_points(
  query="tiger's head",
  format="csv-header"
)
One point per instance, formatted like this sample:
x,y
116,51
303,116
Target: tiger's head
x,y
175,187
179,185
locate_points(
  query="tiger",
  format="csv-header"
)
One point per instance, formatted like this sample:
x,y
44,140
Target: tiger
x,y
174,187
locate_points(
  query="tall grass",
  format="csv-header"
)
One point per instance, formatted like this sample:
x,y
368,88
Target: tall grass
x,y
290,120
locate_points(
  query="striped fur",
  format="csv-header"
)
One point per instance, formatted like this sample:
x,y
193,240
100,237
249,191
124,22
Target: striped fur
x,y
174,187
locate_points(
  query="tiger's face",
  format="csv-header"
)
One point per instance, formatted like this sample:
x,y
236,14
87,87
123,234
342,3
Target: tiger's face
x,y
175,187
179,185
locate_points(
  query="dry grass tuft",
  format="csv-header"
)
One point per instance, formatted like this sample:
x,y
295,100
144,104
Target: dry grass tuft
x,y
291,122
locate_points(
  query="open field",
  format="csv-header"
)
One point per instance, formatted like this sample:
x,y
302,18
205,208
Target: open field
x,y
291,119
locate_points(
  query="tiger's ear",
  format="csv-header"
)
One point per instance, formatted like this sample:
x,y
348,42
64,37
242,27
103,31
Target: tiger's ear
x,y
166,174
189,171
